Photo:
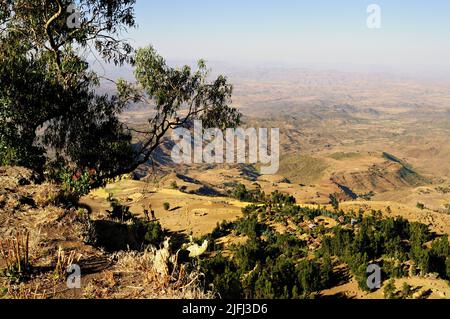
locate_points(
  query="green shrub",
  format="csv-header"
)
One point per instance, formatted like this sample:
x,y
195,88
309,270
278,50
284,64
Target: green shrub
x,y
223,275
240,192
75,183
367,196
154,233
166,206
390,289
118,211
15,150
406,290
8,155
250,227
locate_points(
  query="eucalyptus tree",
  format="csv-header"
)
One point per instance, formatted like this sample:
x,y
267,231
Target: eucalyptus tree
x,y
177,96
48,93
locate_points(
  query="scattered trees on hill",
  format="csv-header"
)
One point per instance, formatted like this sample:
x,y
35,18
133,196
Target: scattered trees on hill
x,y
265,269
274,265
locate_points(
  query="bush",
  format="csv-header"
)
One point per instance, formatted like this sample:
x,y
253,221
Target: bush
x,y
334,201
406,290
250,227
154,234
390,289
75,183
15,150
8,155
166,206
224,277
273,267
118,211
241,193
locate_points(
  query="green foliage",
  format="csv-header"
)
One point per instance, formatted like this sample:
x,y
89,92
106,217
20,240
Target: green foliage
x,y
75,183
440,247
47,86
154,233
420,206
368,196
241,193
281,199
171,88
334,201
419,233
250,227
440,251
78,183
118,211
13,149
406,290
266,265
397,239
166,206
222,229
390,289
224,276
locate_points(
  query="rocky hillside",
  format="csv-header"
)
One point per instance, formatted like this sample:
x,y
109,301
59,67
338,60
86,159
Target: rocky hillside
x,y
40,236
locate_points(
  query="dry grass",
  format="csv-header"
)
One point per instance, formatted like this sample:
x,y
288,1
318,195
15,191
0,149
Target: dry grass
x,y
15,253
22,292
64,261
182,281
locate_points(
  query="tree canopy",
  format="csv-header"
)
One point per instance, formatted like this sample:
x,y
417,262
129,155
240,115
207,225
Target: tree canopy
x,y
49,100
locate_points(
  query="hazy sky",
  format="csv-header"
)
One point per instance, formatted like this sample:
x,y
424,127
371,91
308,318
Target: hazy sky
x,y
413,32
